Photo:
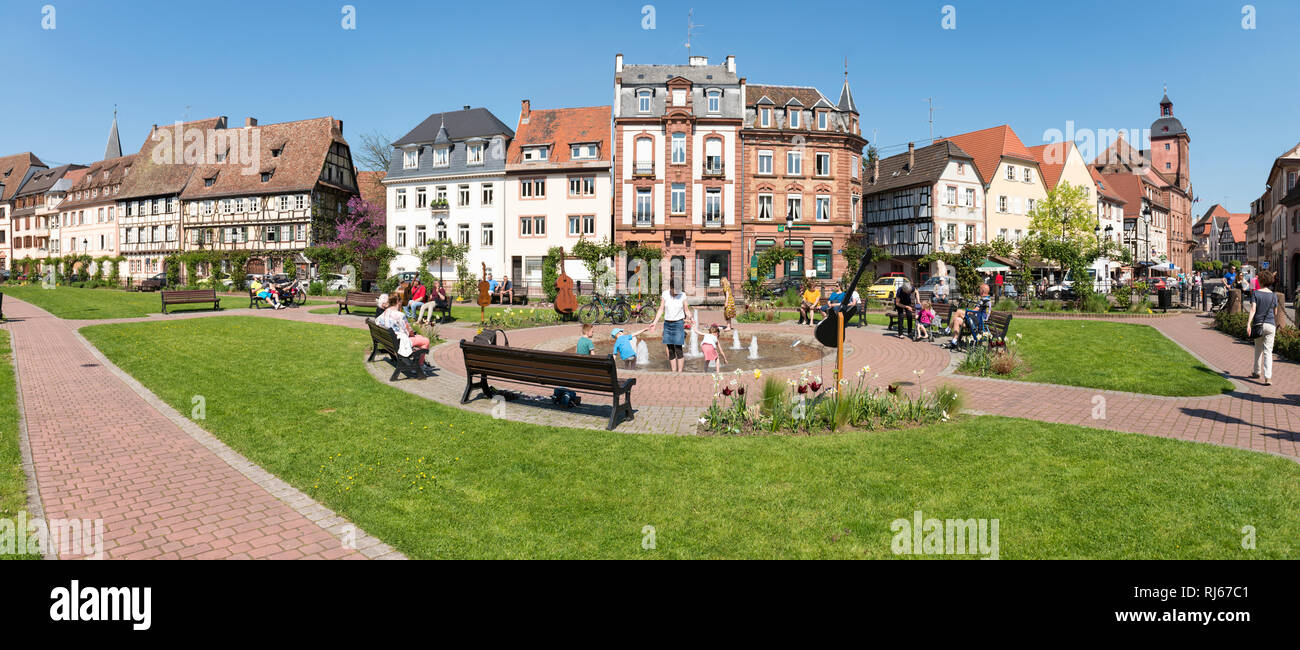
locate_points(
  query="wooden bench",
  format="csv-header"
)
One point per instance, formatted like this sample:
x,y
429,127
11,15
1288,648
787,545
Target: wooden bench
x,y
998,323
578,372
382,338
359,299
197,296
255,301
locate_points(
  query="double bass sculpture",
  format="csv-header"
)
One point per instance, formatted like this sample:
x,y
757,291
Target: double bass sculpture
x,y
566,302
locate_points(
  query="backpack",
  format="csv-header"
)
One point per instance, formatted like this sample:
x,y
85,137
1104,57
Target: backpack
x,y
565,398
489,337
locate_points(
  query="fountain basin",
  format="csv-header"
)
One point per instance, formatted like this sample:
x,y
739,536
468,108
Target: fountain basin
x,y
775,350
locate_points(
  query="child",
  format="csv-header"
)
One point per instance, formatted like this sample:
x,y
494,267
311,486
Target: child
x,y
585,344
713,354
925,319
623,345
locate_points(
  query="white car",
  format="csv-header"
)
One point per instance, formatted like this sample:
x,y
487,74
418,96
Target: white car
x,y
335,281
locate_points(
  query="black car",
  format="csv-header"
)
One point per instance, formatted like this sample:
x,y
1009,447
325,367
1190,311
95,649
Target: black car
x,y
154,283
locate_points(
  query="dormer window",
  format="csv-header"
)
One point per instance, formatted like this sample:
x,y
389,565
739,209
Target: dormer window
x,y
643,100
266,176
821,120
441,157
275,153
536,154
210,181
474,154
793,112
221,157
584,151
410,159
715,101
765,117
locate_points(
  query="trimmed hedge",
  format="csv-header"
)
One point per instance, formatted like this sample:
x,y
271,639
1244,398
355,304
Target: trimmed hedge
x,y
1286,342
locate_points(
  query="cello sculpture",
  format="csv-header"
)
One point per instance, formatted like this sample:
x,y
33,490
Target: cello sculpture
x,y
484,294
565,301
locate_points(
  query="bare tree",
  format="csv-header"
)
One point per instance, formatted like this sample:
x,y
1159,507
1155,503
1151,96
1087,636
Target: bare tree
x,y
373,151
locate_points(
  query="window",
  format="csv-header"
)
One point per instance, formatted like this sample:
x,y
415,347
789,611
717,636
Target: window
x,y
588,224
765,207
525,226
300,232
643,100
1011,172
488,192
794,207
272,234
474,154
823,164
584,151
765,116
715,101
441,157
401,199
644,206
266,176
970,197
713,156
421,236
713,206
961,169
644,161
401,236
679,198
1002,234
1290,180
970,233
582,186
462,196
462,234
536,154
853,166
821,120
679,148
950,195
765,162
793,163
539,226
823,208
1002,203
421,198
486,237
794,117
284,203
532,188
1032,203
300,202
575,225
440,194
1029,175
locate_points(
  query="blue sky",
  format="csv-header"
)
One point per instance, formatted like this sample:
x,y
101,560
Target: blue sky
x,y
1033,65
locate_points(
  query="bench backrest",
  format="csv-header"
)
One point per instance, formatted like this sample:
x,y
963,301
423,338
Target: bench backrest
x,y
999,322
566,369
383,336
362,298
193,294
942,310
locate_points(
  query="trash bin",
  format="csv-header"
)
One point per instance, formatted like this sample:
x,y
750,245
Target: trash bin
x,y
1166,298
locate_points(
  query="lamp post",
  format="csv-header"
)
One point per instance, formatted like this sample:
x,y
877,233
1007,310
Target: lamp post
x,y
440,229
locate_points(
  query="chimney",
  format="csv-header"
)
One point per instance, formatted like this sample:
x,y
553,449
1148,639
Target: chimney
x,y
698,60
618,63
875,173
911,155
250,121
731,63
524,110
467,107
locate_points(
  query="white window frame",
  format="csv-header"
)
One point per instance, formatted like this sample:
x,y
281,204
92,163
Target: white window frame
x,y
794,163
765,156
644,103
678,139
411,159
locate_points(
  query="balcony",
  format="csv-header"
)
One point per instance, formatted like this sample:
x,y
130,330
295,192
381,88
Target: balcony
x,y
645,219
643,169
713,220
714,168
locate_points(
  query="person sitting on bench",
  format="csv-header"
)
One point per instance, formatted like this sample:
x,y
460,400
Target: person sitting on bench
x,y
506,292
436,301
408,342
416,300
833,301
264,292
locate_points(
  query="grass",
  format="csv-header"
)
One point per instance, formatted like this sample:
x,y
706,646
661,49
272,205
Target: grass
x,y
1111,356
438,482
13,482
76,303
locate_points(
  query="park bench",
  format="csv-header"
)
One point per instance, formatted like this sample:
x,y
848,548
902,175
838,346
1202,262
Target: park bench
x,y
359,299
2,305
196,296
998,323
578,372
382,338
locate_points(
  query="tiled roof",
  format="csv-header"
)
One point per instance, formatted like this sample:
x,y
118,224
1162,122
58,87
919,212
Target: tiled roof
x,y
781,95
302,146
929,166
44,179
561,127
13,169
371,186
469,123
101,177
1129,188
148,176
1237,222
1103,188
988,146
1051,160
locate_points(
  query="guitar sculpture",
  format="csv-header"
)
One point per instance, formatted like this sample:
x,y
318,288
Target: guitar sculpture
x,y
484,293
828,330
565,301
729,304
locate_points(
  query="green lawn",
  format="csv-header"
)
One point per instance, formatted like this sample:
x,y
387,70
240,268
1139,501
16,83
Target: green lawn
x,y
76,303
1111,356
13,483
437,482
462,313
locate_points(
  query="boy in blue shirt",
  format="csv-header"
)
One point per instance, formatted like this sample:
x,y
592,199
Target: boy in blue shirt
x,y
623,345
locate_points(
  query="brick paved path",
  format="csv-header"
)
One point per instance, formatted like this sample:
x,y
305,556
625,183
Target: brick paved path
x,y
165,489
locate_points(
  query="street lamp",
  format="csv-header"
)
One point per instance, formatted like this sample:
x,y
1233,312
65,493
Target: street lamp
x,y
440,228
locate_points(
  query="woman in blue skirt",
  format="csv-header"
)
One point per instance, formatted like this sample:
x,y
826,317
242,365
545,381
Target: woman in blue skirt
x,y
677,314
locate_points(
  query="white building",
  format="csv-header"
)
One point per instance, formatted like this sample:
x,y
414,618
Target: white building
x,y
558,189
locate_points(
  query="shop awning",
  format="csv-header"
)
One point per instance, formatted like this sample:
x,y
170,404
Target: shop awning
x,y
991,266
823,242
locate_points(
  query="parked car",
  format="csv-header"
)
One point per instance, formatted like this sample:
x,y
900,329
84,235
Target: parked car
x,y
932,284
334,281
1062,291
885,288
407,276
154,283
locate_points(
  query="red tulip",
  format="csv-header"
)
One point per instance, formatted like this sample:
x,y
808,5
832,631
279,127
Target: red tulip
x,y
740,391
727,391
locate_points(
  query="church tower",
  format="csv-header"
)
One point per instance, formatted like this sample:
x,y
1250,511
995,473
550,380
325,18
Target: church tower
x,y
1169,144
114,147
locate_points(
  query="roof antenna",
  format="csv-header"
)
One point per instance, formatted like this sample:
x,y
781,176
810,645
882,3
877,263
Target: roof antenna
x,y
690,29
846,69
933,108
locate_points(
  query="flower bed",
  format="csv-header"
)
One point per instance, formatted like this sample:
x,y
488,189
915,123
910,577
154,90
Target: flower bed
x,y
1286,342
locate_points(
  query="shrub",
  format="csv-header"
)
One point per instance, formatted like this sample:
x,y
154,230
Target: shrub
x,y
316,288
1286,342
1005,304
1095,303
1123,297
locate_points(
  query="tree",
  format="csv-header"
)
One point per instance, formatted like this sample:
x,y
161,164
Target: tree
x,y
373,151
437,251
594,256
363,227
966,263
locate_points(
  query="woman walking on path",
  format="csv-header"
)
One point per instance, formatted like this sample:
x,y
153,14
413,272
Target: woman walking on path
x,y
676,313
1261,324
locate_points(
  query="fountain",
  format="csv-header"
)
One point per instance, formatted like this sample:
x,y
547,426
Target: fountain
x,y
693,352
735,340
753,347
642,354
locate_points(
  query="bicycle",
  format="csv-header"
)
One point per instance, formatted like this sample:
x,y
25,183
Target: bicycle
x,y
615,310
643,310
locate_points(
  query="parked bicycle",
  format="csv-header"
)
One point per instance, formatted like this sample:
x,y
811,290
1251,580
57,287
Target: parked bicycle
x,y
643,309
615,310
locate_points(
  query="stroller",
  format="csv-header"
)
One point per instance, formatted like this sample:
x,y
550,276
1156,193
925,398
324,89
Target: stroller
x,y
1218,298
